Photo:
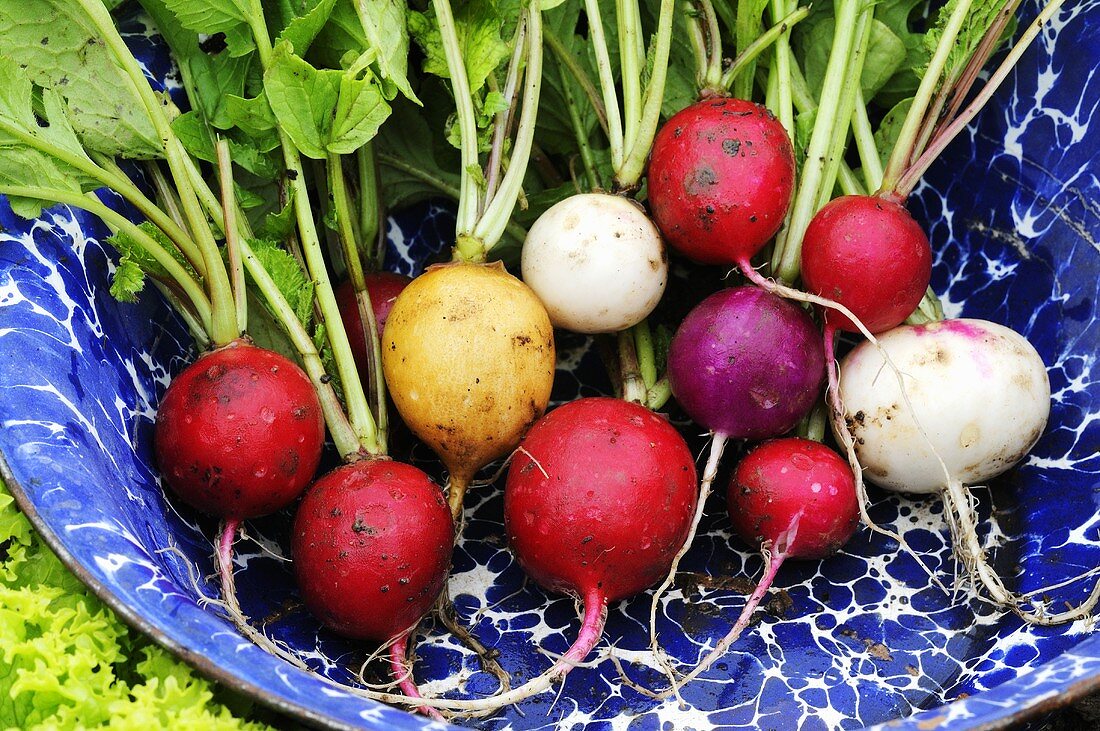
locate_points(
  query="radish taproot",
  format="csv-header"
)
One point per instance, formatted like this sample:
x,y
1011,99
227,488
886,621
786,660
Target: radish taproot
x,y
744,364
597,263
976,399
789,498
372,544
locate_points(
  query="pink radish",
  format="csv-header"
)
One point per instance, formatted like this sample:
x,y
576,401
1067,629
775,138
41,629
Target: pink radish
x,y
372,544
791,498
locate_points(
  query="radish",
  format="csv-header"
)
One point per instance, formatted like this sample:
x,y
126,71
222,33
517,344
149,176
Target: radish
x,y
372,544
598,499
382,290
744,364
596,262
790,498
976,399
868,254
468,356
721,177
468,353
239,433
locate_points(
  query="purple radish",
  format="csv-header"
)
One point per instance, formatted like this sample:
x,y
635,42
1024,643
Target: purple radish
x,y
744,364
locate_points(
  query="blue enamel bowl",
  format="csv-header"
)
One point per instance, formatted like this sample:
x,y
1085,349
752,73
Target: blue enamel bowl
x,y
863,638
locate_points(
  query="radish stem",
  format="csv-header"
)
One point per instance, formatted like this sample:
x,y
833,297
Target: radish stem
x,y
785,259
93,205
910,128
355,399
569,63
229,214
772,563
909,178
639,137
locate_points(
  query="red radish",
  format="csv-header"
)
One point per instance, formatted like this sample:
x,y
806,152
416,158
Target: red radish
x,y
239,435
721,177
744,364
239,432
791,498
382,288
868,254
372,544
598,499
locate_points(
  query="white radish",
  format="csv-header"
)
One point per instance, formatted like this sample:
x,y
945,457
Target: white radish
x,y
976,401
597,263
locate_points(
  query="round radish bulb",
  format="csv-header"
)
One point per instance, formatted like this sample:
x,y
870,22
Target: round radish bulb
x,y
372,544
596,503
382,288
597,263
239,432
868,254
746,364
791,498
721,178
978,390
794,493
599,499
468,357
976,400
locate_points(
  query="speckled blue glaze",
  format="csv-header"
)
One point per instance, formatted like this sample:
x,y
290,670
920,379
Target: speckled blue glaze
x,y
861,639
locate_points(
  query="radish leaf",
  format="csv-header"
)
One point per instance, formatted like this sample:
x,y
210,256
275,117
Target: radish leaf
x,y
58,44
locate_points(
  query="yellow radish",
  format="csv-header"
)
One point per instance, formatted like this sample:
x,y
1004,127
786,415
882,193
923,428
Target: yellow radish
x,y
468,355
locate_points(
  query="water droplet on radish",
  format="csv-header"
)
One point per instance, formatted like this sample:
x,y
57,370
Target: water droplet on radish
x,y
260,472
267,414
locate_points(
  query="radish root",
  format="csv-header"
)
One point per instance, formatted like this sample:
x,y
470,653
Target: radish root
x,y
595,616
448,617
717,447
402,672
958,505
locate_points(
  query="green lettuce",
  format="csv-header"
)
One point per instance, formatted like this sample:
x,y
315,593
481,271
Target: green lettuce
x,y
68,662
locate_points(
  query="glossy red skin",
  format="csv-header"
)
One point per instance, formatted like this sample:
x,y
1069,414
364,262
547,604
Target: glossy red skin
x,y
372,544
868,254
239,432
763,500
617,504
383,288
721,177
